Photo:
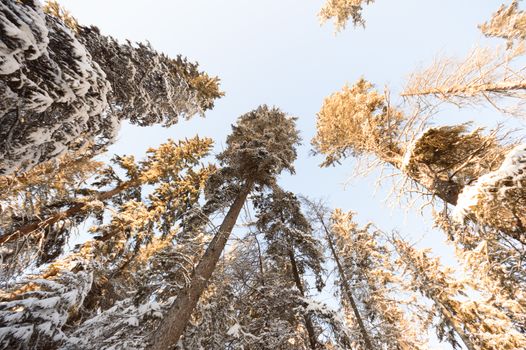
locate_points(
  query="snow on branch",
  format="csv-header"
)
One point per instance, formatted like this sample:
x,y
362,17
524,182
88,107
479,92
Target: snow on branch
x,y
498,195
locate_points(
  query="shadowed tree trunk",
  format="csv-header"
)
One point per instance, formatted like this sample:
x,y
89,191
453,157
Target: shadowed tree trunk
x,y
175,321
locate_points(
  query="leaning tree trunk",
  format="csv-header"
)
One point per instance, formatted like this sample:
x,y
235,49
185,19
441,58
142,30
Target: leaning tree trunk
x,y
448,314
177,317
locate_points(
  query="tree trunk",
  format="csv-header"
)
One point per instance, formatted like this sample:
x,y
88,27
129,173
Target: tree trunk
x,y
297,280
177,317
70,212
448,315
345,284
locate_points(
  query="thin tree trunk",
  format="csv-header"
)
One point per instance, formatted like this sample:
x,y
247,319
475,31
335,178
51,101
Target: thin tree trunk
x,y
297,280
448,314
71,211
260,258
433,294
345,284
176,319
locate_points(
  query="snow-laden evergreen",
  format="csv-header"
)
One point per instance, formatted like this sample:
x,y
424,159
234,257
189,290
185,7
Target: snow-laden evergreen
x,y
65,86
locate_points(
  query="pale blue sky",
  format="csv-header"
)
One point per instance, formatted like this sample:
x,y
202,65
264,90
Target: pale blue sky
x,y
275,52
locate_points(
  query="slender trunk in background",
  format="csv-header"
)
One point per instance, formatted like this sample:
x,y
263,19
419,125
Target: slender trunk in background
x,y
308,322
177,317
449,315
345,284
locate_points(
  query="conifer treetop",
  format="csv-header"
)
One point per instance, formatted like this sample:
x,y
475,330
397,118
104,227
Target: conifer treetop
x,y
343,11
357,121
261,145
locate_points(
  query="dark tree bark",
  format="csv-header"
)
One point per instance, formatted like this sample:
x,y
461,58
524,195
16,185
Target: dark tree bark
x,y
174,323
297,280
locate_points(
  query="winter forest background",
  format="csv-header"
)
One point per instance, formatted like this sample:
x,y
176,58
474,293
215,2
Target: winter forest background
x,y
354,185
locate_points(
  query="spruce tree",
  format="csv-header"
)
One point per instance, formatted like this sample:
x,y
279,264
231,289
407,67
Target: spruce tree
x,y
479,324
137,257
367,278
65,86
290,241
261,146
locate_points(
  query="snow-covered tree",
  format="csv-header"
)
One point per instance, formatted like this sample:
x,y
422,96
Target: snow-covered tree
x,y
65,86
495,265
261,146
37,194
41,213
253,303
35,310
476,321
137,257
290,242
370,286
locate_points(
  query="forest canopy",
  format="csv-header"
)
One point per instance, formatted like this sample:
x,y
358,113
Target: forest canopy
x,y
206,242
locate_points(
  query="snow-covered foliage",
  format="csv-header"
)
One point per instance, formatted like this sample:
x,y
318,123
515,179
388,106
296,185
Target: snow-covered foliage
x,y
42,191
54,96
370,288
262,144
288,233
508,22
138,253
254,303
63,87
120,327
40,214
498,197
35,309
478,324
494,264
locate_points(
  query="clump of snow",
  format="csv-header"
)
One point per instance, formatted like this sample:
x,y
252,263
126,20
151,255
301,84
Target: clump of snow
x,y
42,311
28,30
119,327
512,169
234,331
